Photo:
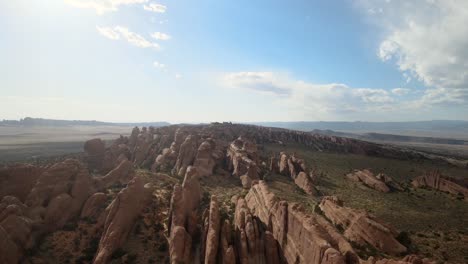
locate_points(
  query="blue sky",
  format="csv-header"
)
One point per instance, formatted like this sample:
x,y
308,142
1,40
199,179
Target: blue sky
x,y
199,61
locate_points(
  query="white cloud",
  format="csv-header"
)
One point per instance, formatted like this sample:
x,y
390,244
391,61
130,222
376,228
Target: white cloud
x,y
427,40
178,76
108,32
333,99
118,32
160,36
154,7
159,65
103,6
400,91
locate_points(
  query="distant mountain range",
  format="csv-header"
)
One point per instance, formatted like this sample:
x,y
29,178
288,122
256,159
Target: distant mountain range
x,y
370,126
29,121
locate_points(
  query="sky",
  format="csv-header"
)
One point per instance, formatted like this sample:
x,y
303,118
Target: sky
x,y
241,61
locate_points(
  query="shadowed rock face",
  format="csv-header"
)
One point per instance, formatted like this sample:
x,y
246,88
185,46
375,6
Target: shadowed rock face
x,y
121,174
18,180
369,179
95,150
56,198
122,213
361,227
435,180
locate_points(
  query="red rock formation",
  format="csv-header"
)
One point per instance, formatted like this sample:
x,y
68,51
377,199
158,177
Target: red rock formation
x,y
362,227
123,211
16,228
121,174
242,160
187,153
18,180
302,238
369,179
94,206
304,182
212,236
62,189
434,179
252,241
205,160
183,217
296,169
95,150
274,165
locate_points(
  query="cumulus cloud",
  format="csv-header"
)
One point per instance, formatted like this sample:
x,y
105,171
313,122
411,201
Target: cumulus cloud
x,y
426,39
103,6
154,7
178,76
160,36
326,99
119,32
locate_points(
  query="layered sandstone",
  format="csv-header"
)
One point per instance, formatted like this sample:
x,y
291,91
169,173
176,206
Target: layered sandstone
x,y
121,216
434,180
182,225
361,227
296,169
302,237
242,160
369,179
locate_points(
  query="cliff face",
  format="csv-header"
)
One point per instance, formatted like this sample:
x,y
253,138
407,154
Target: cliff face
x,y
303,238
362,227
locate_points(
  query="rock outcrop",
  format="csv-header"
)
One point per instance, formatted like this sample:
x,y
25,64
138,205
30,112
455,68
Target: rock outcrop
x,y
187,152
121,174
122,213
435,180
94,206
301,237
206,158
62,189
182,225
18,180
369,179
361,227
242,161
296,169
